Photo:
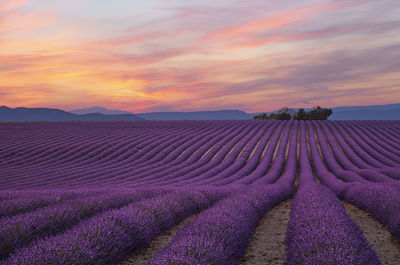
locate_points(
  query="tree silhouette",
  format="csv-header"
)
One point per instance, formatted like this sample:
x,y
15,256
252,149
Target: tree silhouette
x,y
300,115
317,113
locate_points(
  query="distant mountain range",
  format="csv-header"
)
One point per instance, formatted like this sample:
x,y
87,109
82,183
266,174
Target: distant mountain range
x,y
45,114
375,112
197,115
369,107
365,113
100,110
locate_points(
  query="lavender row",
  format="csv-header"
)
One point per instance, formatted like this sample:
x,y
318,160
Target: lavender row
x,y
288,140
118,174
344,169
88,173
81,178
199,158
387,132
374,157
179,155
43,194
235,166
349,164
365,156
263,157
382,201
227,166
215,165
201,167
113,235
381,144
321,232
371,148
19,230
87,131
221,234
223,159
258,175
148,156
22,204
151,152
206,165
132,137
173,158
319,229
41,148
253,160
238,158
327,177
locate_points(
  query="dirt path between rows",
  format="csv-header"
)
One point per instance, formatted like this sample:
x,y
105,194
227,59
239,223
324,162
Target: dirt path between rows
x,y
384,244
266,245
142,256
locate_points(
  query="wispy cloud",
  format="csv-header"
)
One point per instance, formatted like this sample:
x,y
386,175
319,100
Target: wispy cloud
x,y
175,55
6,5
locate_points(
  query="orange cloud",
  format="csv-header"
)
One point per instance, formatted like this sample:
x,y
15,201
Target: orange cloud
x,y
80,62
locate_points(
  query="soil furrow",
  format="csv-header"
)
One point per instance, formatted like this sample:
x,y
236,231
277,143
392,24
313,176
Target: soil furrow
x,y
142,256
384,244
266,245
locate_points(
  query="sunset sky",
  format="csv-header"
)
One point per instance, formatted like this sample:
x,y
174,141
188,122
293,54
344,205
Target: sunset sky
x,y
185,55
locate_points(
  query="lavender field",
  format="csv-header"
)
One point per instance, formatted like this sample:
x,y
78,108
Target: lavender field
x,y
97,192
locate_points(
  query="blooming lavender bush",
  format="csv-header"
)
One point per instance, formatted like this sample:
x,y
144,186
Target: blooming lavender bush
x,y
380,200
321,232
93,192
22,204
220,234
111,236
19,230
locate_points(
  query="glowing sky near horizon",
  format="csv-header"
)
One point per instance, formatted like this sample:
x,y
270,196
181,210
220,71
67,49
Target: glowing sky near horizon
x,y
185,55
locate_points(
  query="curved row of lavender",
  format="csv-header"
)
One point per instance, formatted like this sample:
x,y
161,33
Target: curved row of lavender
x,y
93,192
319,229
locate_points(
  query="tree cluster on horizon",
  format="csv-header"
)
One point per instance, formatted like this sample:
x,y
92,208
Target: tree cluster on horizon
x,y
317,113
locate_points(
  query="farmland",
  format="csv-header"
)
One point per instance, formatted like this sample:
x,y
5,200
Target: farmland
x,y
97,192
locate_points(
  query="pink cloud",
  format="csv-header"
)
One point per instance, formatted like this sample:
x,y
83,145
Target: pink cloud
x,y
10,4
191,58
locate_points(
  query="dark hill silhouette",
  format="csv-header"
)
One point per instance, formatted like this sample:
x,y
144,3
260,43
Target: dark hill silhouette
x,y
371,112
46,114
366,114
375,112
369,107
100,110
197,115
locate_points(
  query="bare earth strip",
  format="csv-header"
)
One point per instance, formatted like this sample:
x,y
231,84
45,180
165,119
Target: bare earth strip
x,y
384,244
266,246
142,256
